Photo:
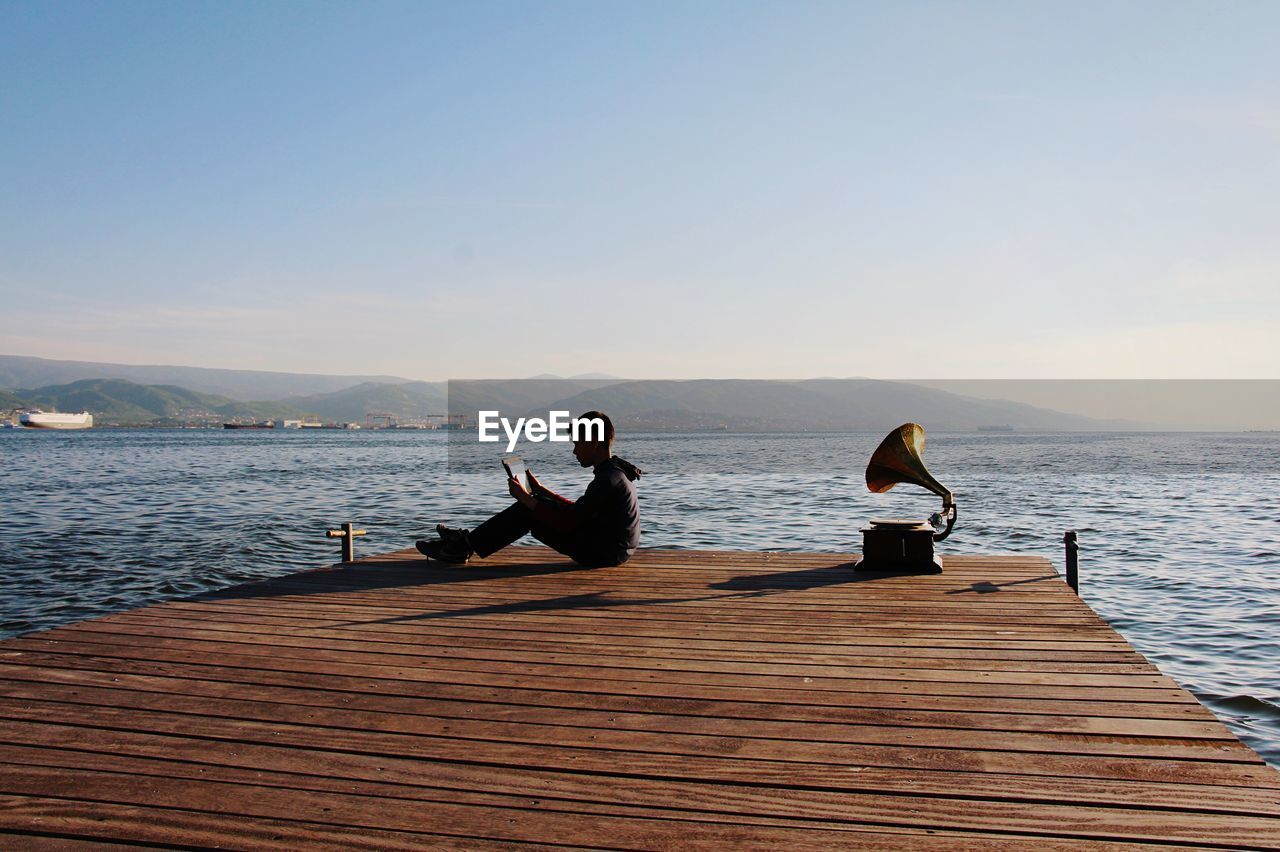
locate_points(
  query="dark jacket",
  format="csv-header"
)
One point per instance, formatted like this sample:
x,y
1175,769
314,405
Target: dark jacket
x,y
604,523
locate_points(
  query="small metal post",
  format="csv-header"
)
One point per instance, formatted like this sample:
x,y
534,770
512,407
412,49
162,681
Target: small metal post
x,y
348,535
1073,560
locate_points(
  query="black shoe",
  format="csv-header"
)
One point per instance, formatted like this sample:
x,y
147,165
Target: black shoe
x,y
454,537
454,553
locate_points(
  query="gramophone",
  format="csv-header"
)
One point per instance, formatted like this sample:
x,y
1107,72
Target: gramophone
x,y
897,544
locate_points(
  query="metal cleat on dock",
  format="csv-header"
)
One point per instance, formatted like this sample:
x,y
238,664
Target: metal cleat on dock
x,y
348,535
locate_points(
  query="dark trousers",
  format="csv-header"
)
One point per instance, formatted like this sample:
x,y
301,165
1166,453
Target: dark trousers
x,y
516,520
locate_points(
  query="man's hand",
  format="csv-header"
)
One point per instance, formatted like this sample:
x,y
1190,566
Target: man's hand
x,y
542,493
524,498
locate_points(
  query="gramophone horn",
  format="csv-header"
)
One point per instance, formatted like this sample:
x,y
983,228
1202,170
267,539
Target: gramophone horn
x,y
897,459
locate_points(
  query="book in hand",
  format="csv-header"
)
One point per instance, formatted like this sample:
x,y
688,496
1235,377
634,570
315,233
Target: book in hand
x,y
517,470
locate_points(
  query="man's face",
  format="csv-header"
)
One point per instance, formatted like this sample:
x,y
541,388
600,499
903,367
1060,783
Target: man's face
x,y
586,452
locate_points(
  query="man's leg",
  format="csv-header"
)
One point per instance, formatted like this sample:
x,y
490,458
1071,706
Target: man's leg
x,y
515,521
502,529
561,542
572,545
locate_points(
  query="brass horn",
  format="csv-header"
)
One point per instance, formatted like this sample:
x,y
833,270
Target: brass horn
x,y
904,545
897,459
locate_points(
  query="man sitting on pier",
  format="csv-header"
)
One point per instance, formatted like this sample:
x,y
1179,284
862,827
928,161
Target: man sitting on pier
x,y
601,528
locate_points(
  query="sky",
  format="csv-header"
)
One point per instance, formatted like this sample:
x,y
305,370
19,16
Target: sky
x,y
662,190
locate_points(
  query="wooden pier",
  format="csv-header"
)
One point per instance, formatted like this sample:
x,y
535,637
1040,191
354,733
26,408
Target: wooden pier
x,y
685,700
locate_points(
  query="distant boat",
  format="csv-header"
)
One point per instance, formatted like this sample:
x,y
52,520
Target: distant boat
x,y
1003,427
36,419
261,424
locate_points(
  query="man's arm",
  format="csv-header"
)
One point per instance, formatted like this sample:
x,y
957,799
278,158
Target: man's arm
x,y
558,513
542,492
569,517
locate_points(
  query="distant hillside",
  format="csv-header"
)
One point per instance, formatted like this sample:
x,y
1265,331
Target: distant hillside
x,y
410,401
580,376
516,396
1208,404
10,401
19,371
119,402
416,400
761,405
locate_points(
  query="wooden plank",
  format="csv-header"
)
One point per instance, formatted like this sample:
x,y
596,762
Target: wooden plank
x,y
69,825
445,698
413,682
320,660
487,817
628,578
58,823
645,780
673,601
390,654
1002,639
399,806
460,741
580,620
996,658
634,731
687,699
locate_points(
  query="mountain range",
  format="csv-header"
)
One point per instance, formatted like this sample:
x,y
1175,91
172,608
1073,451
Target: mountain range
x,y
21,371
758,404
737,405
121,402
132,394
747,404
403,401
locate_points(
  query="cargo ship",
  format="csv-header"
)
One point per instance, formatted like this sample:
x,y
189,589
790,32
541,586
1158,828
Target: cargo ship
x,y
262,424
36,419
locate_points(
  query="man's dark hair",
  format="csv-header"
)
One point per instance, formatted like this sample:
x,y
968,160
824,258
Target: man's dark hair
x,y
608,424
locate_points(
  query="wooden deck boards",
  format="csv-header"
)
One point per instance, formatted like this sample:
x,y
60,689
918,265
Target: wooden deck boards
x,y
685,699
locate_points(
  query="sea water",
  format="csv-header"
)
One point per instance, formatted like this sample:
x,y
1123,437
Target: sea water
x,y
1179,533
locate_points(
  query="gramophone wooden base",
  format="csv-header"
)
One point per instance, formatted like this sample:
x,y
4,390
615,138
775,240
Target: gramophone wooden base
x,y
898,549
865,566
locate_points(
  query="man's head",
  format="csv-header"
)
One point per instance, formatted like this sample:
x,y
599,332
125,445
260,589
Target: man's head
x,y
591,447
